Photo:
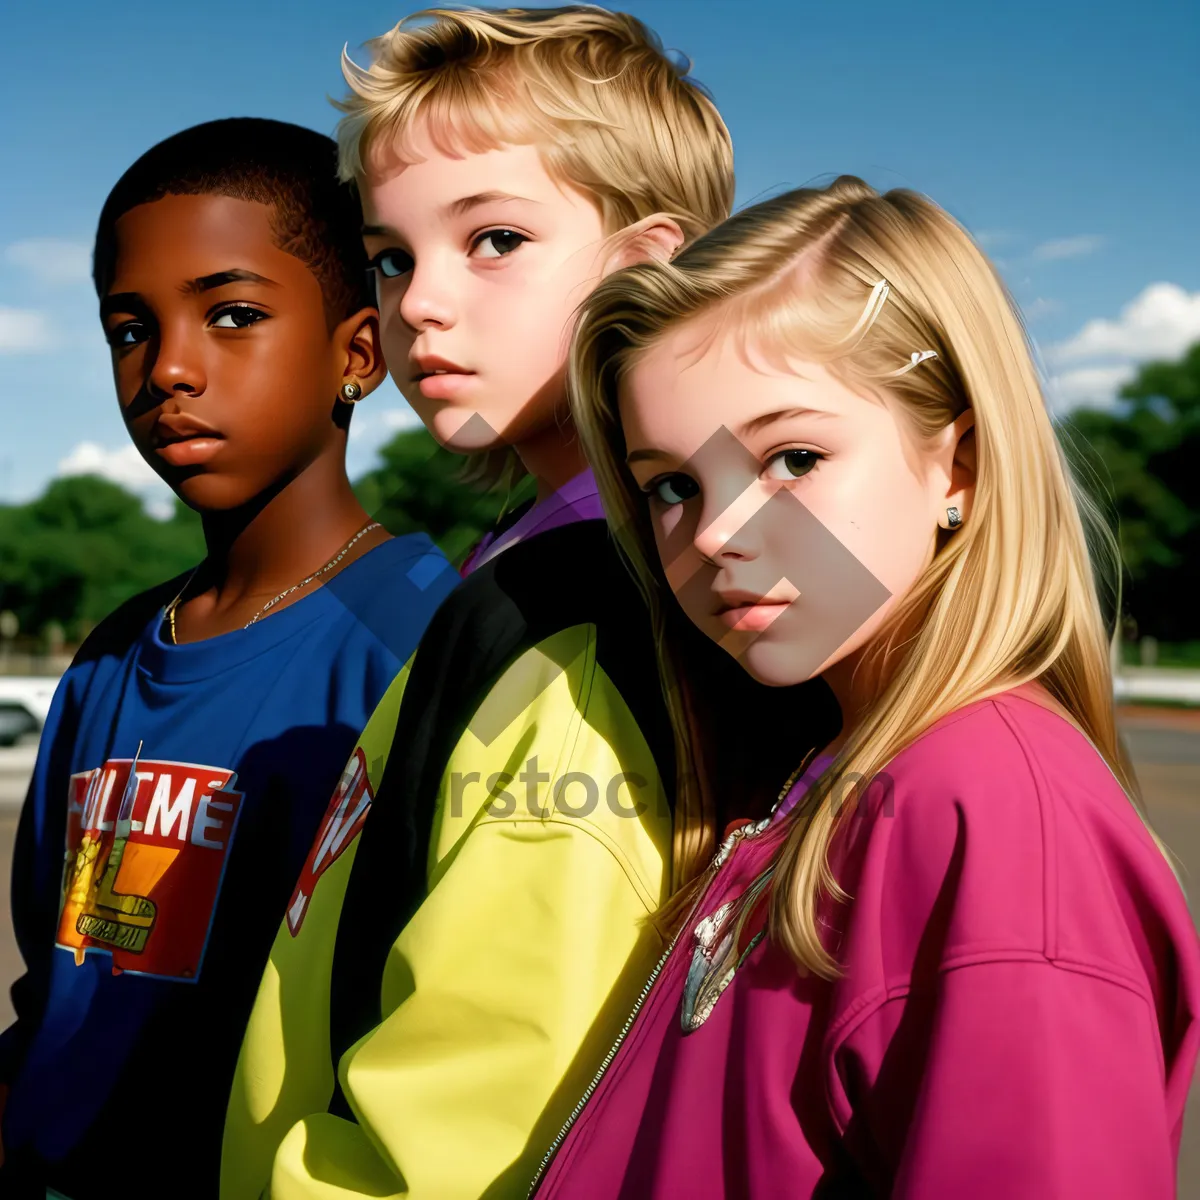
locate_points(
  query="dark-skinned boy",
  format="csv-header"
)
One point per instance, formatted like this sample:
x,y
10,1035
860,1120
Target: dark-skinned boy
x,y
196,739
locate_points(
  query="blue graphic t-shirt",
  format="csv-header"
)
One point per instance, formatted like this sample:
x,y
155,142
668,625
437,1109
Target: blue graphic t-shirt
x,y
176,793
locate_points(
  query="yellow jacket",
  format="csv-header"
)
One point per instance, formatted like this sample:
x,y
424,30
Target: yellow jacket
x,y
548,850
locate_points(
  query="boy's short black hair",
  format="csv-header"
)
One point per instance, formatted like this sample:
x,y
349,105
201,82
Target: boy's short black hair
x,y
292,169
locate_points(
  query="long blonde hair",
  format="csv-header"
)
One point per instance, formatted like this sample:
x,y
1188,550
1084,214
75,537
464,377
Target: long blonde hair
x,y
1008,598
611,113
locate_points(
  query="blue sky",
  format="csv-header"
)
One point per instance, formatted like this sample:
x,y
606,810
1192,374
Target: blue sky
x,y
1064,135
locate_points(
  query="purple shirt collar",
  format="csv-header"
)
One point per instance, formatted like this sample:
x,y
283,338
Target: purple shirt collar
x,y
577,500
796,792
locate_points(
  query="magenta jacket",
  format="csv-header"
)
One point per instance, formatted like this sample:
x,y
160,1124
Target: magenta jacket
x,y
1016,1017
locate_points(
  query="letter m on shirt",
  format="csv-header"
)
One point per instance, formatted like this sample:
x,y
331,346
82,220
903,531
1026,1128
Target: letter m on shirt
x,y
343,819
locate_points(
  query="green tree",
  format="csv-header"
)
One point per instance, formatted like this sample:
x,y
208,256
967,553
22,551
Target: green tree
x,y
419,486
83,548
1144,457
86,545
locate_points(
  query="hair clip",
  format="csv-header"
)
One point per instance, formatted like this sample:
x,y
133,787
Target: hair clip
x,y
918,357
874,306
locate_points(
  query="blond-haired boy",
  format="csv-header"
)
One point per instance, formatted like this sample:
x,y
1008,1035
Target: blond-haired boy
x,y
471,928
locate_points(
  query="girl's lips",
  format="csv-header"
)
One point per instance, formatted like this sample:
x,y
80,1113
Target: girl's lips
x,y
444,387
191,451
753,617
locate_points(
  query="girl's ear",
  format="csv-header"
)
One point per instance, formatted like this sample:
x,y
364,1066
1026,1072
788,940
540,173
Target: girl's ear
x,y
958,457
656,237
364,362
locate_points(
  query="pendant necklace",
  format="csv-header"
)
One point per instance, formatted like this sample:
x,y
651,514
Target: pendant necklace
x,y
719,945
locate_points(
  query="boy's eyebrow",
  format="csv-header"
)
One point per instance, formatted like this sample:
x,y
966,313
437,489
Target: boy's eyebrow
x,y
128,301
120,302
455,208
206,283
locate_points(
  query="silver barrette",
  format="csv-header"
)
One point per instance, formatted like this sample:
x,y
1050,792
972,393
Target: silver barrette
x,y
874,306
915,360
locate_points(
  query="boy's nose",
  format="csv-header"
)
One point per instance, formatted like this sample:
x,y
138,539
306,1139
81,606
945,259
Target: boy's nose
x,y
426,301
177,367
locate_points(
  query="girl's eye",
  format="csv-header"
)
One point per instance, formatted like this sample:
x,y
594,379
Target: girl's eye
x,y
498,243
674,489
391,264
132,333
241,316
792,464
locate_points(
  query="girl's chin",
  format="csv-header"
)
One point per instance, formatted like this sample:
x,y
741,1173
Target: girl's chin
x,y
775,678
773,664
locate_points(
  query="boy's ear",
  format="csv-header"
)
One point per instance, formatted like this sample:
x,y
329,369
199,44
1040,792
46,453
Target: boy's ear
x,y
657,236
364,356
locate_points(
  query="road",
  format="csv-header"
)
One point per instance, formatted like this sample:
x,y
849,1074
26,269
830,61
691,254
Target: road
x,y
1165,744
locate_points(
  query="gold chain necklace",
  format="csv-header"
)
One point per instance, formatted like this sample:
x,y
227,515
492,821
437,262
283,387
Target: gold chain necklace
x,y
270,604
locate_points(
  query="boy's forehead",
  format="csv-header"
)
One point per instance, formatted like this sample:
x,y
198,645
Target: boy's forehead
x,y
444,182
191,235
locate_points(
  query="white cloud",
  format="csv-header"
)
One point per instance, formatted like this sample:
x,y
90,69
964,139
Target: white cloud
x,y
400,418
52,260
1041,307
1088,387
124,466
24,331
160,505
1072,247
989,239
373,427
1161,322
372,430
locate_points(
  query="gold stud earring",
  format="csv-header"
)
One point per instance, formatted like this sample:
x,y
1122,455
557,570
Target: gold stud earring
x,y
351,392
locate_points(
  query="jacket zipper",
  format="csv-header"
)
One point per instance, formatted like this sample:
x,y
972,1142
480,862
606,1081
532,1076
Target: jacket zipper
x,y
719,859
595,1083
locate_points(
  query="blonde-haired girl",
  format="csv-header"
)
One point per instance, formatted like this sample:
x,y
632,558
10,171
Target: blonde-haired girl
x,y
955,960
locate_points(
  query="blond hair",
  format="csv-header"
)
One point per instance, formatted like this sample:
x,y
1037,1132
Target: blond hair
x,y
611,114
1008,598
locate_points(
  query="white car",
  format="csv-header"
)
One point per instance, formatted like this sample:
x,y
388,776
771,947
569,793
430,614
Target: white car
x,y
24,706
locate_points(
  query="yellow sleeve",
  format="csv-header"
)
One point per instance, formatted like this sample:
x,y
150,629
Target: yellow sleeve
x,y
510,983
284,1069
